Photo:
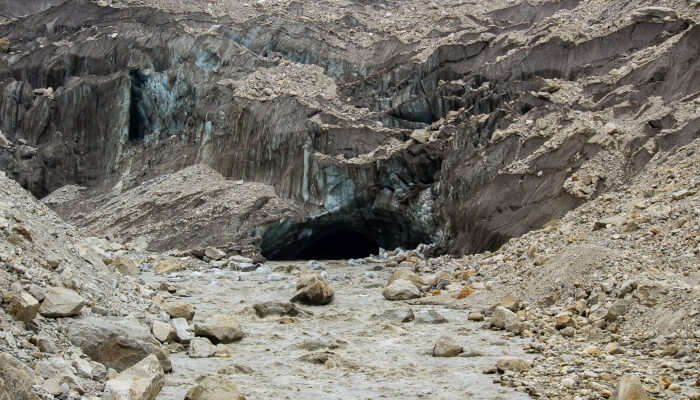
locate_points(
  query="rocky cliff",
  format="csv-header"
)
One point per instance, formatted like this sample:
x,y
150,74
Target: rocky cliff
x,y
496,120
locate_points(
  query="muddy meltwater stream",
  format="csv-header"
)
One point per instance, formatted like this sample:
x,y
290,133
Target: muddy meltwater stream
x,y
349,349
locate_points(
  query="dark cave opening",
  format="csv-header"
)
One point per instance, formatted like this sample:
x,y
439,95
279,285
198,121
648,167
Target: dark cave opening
x,y
341,244
342,235
138,119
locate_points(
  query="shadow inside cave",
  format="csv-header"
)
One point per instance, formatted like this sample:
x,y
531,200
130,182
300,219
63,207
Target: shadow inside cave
x,y
341,235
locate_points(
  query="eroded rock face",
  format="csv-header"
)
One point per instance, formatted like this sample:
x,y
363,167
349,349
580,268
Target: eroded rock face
x,y
460,139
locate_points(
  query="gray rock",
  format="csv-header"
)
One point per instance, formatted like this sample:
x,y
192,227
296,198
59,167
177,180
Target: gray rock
x,y
263,310
214,253
117,344
630,388
513,364
216,387
503,318
180,310
142,381
407,275
61,302
446,347
401,289
23,307
125,265
201,348
183,334
16,379
312,289
163,331
220,328
429,317
397,315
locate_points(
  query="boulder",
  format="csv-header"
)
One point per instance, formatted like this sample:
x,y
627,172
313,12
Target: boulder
x,y
475,316
429,317
564,320
630,388
214,253
143,381
263,310
168,265
510,303
125,265
201,348
23,307
180,310
216,387
220,328
183,334
312,289
503,318
513,364
163,331
408,275
397,315
401,289
446,347
61,302
16,380
117,344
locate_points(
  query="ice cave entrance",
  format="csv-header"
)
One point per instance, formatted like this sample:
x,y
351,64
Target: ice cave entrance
x,y
341,235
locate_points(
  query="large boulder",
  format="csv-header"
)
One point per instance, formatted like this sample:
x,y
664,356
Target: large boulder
x,y
312,289
61,302
16,379
143,381
401,289
117,344
220,328
214,387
